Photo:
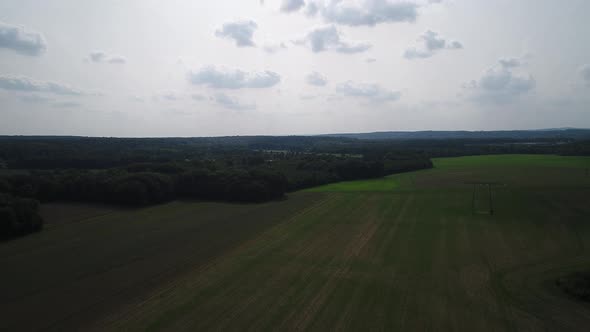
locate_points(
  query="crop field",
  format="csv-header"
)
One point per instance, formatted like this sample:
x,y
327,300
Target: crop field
x,y
405,253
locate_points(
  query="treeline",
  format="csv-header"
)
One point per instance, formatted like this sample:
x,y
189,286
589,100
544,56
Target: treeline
x,y
124,187
141,185
580,148
18,216
243,179
432,148
103,153
315,170
38,152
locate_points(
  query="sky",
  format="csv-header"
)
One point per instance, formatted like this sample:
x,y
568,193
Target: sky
x,y
139,68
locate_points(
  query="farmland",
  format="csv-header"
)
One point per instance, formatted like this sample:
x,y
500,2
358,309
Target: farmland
x,y
406,252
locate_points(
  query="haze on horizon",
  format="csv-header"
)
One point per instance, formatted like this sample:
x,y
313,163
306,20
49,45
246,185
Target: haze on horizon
x,y
281,67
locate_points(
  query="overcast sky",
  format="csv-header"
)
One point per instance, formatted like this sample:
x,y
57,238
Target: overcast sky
x,y
278,67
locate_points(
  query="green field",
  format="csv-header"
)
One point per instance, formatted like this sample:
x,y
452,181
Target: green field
x,y
403,253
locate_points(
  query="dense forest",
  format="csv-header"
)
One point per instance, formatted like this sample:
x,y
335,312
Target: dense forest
x,y
18,216
149,171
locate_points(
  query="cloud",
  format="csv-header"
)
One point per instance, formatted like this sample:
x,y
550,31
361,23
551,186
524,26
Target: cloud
x,y
66,104
288,6
328,38
429,44
307,97
35,99
198,97
311,9
372,92
21,41
584,72
25,84
100,57
371,60
97,56
316,79
167,96
117,60
500,84
365,12
240,31
170,96
274,48
231,102
233,79
510,62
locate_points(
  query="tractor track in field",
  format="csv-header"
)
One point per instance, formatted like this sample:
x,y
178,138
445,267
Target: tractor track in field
x,y
538,303
279,276
134,309
166,292
351,251
545,266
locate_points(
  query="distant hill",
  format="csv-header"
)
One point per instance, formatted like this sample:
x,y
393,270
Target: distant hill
x,y
255,140
553,133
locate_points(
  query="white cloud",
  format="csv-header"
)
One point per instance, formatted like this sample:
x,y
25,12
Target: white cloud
x,y
239,31
328,38
117,60
291,5
198,97
273,48
307,97
364,12
66,104
100,57
20,40
97,56
233,79
170,96
311,9
35,99
231,102
584,72
501,84
429,43
510,62
25,84
372,92
316,79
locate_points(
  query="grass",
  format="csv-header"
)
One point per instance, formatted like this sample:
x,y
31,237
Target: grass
x,y
388,183
513,160
76,270
522,170
577,285
405,254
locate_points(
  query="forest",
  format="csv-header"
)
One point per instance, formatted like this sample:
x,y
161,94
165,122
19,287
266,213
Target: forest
x,y
147,171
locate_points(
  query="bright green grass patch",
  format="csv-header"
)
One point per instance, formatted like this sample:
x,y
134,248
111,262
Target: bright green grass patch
x,y
512,160
388,183
483,168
